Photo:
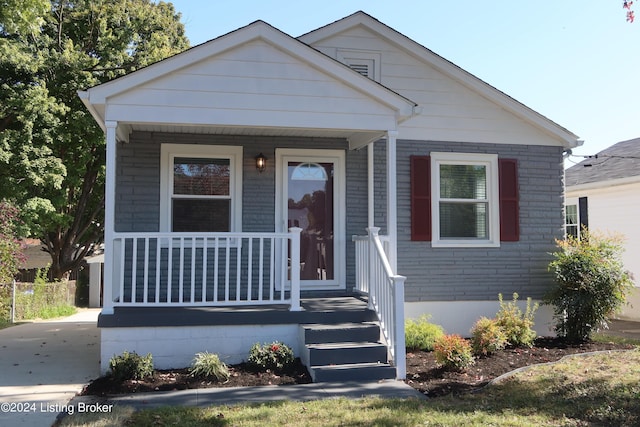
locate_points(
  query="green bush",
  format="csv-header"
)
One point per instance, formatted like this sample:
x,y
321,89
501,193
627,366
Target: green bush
x,y
453,352
591,284
517,326
131,366
487,337
209,365
5,303
420,334
273,356
11,255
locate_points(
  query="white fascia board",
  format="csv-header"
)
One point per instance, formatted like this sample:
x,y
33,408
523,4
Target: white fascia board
x,y
602,184
86,100
122,130
566,137
257,30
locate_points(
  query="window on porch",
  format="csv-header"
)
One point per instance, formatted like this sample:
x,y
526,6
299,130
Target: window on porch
x,y
200,188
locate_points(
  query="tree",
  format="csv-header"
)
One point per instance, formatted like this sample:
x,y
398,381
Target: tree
x,y
52,153
22,16
11,256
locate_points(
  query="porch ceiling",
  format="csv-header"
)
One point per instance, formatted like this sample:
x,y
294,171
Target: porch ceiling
x,y
356,138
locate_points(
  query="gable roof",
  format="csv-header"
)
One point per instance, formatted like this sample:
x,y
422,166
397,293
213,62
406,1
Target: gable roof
x,y
620,161
446,67
96,98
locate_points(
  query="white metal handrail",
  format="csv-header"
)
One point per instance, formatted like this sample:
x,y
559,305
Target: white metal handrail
x,y
204,269
375,277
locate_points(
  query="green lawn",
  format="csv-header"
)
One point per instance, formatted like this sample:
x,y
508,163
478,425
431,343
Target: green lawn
x,y
601,389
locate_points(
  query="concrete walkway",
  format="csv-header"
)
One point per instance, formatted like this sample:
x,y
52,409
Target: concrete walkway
x,y
234,395
44,364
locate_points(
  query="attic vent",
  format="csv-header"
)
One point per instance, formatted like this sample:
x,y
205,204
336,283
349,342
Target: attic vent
x,y
366,63
361,68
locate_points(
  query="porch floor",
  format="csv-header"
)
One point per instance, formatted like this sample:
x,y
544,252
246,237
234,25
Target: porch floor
x,y
317,307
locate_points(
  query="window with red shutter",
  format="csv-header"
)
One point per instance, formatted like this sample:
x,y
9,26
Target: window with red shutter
x,y
464,199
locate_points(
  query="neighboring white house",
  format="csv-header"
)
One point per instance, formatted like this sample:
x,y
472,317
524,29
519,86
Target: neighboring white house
x,y
603,193
386,160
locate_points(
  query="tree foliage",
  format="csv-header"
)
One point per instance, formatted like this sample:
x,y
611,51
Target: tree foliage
x,y
22,16
11,256
52,153
591,284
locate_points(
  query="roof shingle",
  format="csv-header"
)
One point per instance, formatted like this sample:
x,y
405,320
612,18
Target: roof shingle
x,y
621,160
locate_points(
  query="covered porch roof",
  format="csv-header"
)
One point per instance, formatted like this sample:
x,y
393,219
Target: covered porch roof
x,y
256,80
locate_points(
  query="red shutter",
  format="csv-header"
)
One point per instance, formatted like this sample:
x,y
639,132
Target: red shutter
x,y
509,209
420,198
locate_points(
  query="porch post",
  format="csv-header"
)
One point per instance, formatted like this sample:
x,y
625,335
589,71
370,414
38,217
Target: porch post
x,y
399,351
295,268
372,233
370,185
109,216
392,197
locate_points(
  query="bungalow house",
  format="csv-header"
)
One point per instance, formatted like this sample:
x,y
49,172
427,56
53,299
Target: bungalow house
x,y
603,193
262,187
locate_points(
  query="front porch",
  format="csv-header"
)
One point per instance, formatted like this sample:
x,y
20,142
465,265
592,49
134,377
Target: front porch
x,y
337,336
174,295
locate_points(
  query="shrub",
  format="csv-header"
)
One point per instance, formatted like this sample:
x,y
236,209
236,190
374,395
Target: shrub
x,y
276,355
517,326
487,336
453,352
591,284
420,334
209,365
131,366
11,255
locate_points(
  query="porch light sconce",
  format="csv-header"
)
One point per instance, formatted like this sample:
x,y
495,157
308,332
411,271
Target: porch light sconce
x,y
261,162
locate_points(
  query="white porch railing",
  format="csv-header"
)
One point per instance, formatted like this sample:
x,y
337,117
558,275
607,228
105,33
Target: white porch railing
x,y
205,269
375,277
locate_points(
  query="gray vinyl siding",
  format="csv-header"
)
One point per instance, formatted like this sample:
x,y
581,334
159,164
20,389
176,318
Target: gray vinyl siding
x,y
433,274
138,182
468,274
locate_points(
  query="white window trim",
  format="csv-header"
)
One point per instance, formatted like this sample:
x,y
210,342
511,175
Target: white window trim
x,y
348,57
170,151
572,201
490,161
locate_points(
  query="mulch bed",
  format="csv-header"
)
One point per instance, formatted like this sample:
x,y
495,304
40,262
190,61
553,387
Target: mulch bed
x,y
423,373
241,375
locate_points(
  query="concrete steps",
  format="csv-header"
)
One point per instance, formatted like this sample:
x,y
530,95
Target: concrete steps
x,y
345,352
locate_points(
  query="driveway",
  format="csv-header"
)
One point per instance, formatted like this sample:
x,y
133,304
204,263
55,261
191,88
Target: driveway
x,y
44,364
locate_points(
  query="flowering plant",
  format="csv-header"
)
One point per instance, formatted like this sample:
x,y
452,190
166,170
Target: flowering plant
x,y
276,355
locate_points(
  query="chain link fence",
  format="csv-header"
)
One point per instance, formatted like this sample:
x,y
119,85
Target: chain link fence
x,y
38,299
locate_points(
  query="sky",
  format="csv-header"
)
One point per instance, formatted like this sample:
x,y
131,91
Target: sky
x,y
575,62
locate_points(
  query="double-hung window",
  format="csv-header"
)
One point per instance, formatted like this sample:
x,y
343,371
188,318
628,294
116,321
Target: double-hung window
x,y
572,224
200,188
576,216
465,201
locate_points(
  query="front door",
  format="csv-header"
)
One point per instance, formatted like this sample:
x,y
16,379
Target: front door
x,y
311,196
